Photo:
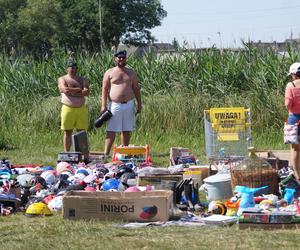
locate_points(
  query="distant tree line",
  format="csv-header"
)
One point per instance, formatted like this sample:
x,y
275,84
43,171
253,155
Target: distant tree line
x,y
38,26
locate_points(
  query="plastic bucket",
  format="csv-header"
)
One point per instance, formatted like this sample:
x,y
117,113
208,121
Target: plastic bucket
x,y
218,187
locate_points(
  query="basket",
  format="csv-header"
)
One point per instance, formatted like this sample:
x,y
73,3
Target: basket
x,y
257,177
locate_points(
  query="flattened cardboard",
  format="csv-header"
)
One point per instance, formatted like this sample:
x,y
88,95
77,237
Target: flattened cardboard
x,y
139,206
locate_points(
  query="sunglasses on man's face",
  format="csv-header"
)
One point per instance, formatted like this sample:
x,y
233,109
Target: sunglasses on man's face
x,y
121,57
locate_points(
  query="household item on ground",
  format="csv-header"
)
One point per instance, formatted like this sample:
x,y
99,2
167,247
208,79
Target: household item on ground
x,y
289,182
247,196
197,174
269,218
255,172
64,166
290,133
81,144
38,209
104,116
158,179
204,169
26,180
277,158
10,200
217,207
147,171
179,155
49,177
217,219
186,196
218,187
227,132
132,153
55,204
96,156
5,164
289,195
110,184
71,157
132,189
141,206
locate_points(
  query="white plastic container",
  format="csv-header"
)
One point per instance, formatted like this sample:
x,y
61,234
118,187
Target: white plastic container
x,y
218,187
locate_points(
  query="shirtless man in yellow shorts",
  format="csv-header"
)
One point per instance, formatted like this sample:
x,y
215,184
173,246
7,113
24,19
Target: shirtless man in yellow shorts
x,y
74,113
119,88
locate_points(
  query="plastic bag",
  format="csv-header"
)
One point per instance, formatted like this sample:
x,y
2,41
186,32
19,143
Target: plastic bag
x,y
290,133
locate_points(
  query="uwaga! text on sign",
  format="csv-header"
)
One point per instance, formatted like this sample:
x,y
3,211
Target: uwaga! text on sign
x,y
228,119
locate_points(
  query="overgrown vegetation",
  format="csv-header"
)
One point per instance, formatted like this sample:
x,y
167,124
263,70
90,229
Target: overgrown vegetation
x,y
176,88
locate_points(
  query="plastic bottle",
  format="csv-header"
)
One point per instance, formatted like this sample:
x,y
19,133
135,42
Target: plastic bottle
x,y
222,152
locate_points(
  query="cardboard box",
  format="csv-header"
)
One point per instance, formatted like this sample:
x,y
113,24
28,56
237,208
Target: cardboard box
x,y
178,152
254,218
158,181
205,170
139,206
267,218
196,176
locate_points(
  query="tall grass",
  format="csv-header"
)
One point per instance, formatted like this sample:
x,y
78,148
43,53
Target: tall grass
x,y
176,88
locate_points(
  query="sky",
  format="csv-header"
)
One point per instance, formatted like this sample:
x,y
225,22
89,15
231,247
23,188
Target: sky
x,y
223,23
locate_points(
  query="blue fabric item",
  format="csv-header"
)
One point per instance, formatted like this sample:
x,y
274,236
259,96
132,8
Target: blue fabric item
x,y
289,195
7,196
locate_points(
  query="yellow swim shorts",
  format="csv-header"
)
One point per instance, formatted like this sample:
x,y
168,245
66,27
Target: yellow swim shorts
x,y
74,118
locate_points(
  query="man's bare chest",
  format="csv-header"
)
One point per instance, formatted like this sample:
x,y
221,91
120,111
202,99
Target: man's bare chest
x,y
74,83
121,78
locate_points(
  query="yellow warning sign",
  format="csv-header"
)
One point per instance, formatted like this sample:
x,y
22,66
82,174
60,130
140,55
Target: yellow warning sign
x,y
228,119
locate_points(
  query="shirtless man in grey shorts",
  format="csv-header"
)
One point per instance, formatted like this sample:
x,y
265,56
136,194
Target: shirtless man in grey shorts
x,y
119,88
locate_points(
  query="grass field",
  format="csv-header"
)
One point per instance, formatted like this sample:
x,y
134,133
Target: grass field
x,y
21,232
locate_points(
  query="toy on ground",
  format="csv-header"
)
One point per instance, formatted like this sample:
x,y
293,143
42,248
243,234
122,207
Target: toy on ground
x,y
137,154
38,209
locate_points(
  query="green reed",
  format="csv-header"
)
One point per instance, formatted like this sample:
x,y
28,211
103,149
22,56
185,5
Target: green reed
x,y
176,87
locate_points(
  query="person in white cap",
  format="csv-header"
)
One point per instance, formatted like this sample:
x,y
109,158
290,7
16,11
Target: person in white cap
x,y
292,103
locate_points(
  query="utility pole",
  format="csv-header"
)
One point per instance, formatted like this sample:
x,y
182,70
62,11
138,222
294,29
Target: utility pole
x,y
100,24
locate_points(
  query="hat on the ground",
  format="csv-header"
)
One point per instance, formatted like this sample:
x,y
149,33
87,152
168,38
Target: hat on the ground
x,y
121,53
294,68
71,63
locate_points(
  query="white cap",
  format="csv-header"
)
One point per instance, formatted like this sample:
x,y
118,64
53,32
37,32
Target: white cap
x,y
294,68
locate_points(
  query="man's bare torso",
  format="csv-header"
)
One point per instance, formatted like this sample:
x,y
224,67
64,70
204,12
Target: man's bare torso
x,y
76,82
121,84
72,100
